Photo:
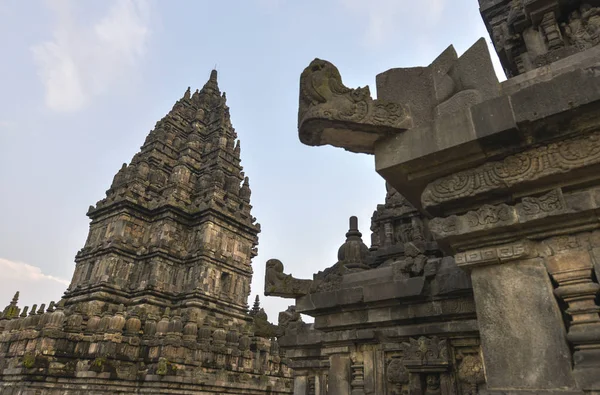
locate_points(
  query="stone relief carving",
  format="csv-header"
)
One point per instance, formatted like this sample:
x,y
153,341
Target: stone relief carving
x,y
582,27
527,166
397,376
430,351
552,202
471,373
423,366
530,34
490,216
277,283
340,111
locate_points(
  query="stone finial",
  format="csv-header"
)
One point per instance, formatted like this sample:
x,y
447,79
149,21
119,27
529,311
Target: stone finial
x,y
353,253
33,309
24,312
12,310
51,307
187,94
245,191
211,85
41,309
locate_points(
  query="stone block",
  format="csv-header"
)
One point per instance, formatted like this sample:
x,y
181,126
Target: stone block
x,y
454,129
596,261
367,277
324,300
568,261
381,314
394,289
349,296
563,93
494,116
408,85
452,280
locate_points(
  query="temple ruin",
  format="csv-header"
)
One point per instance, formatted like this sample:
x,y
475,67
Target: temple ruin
x,y
158,299
481,275
483,267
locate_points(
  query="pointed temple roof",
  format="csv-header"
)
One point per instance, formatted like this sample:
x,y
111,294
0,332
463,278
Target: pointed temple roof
x,y
190,158
185,196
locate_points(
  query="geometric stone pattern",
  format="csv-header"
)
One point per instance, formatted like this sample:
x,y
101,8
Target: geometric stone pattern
x,y
158,299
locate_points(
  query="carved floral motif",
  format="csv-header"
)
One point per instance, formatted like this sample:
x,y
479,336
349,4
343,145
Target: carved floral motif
x,y
490,216
548,203
527,166
425,351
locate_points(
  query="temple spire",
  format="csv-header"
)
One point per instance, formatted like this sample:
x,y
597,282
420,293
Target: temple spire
x,y
256,307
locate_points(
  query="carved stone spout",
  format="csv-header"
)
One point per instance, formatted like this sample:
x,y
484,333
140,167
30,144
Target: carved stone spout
x,y
331,113
277,283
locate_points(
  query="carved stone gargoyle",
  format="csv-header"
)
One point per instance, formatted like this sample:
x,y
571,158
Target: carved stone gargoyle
x,y
408,98
277,283
331,113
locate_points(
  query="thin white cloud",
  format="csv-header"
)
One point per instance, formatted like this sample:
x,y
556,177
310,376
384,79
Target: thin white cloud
x,y
33,285
86,60
384,18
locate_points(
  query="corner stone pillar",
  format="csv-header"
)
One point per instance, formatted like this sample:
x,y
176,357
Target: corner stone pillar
x,y
339,374
300,385
521,328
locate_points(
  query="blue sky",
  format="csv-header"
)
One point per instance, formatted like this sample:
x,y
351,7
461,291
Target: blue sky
x,y
83,82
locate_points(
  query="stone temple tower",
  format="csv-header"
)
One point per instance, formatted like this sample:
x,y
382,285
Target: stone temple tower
x,y
175,228
158,299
